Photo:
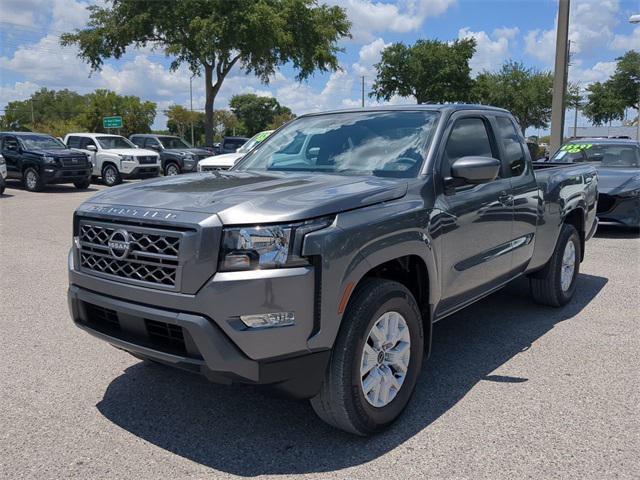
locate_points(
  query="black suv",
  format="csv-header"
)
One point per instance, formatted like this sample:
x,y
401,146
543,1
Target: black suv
x,y
176,155
38,159
231,144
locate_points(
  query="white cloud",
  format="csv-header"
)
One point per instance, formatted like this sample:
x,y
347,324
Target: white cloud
x,y
627,42
67,15
47,62
599,72
25,13
371,17
19,91
368,56
591,27
491,50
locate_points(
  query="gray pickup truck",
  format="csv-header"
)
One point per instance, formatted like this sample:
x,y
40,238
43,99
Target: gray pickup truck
x,y
320,262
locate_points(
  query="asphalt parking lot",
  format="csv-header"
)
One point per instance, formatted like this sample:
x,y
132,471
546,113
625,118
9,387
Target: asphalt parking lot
x,y
512,390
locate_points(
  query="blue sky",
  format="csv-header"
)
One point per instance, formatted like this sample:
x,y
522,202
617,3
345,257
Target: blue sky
x,y
523,30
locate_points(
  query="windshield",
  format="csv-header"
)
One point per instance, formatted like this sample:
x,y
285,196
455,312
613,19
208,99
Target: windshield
x,y
173,142
110,143
253,141
611,155
382,143
41,142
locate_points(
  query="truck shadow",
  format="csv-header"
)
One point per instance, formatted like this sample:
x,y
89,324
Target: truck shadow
x,y
609,231
246,431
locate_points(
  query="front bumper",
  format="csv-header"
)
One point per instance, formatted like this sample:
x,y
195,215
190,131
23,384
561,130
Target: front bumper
x,y
618,210
190,342
147,171
54,175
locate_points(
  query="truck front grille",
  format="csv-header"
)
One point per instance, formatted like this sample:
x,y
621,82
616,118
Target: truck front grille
x,y
146,160
209,168
131,253
74,162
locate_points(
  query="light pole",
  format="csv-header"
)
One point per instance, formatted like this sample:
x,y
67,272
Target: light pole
x,y
560,77
191,101
636,19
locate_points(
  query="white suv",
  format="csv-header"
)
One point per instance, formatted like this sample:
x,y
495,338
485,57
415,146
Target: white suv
x,y
114,157
3,173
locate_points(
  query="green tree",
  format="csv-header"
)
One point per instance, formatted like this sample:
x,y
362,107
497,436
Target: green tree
x,y
604,104
44,108
430,70
180,120
256,112
525,92
212,36
280,119
137,116
625,81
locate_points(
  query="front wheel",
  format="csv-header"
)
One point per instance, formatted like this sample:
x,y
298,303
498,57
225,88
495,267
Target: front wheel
x,y
82,184
32,180
171,169
376,359
111,175
555,284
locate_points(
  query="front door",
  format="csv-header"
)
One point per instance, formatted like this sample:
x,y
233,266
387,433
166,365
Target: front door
x,y
477,219
10,152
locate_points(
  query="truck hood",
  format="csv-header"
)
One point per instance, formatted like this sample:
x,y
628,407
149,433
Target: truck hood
x,y
196,151
616,180
254,198
59,153
224,160
136,152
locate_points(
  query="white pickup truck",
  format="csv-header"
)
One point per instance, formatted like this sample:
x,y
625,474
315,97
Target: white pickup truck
x,y
114,157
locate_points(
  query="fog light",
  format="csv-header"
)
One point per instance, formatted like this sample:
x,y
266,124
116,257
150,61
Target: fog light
x,y
269,320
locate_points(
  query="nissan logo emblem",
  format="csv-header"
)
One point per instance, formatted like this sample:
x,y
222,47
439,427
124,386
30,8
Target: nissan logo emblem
x,y
119,244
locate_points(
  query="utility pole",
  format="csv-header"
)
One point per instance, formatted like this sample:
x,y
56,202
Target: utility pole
x,y
191,101
560,77
363,91
636,19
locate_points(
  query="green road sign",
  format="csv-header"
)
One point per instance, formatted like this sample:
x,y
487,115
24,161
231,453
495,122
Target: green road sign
x,y
112,122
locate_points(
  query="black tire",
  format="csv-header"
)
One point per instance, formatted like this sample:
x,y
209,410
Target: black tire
x,y
546,285
82,184
32,180
341,401
171,168
110,175
2,186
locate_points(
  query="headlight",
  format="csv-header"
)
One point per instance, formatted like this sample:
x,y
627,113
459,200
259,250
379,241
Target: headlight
x,y
268,246
49,160
632,193
127,158
2,160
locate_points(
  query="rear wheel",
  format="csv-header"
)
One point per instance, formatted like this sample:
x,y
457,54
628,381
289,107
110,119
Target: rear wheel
x,y
171,169
82,184
32,180
556,283
375,361
110,175
2,185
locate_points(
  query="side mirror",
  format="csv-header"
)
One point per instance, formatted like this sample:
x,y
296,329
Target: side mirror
x,y
92,148
475,170
12,147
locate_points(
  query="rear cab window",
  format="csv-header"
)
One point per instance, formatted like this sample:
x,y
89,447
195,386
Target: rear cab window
x,y
511,145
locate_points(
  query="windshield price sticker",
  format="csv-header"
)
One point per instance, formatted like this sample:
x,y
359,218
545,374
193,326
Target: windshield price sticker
x,y
576,147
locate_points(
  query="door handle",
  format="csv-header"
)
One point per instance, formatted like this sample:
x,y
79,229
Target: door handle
x,y
505,198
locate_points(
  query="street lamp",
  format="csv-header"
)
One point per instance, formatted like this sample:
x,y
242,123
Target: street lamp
x,y
191,100
636,19
560,77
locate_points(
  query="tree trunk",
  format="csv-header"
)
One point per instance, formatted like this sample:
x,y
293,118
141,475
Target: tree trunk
x,y
208,105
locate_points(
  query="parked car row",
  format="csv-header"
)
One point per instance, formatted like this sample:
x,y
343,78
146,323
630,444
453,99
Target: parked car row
x,y
617,162
38,159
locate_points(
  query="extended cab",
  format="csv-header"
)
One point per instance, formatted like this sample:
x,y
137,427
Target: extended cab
x,y
176,155
38,160
114,157
319,263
